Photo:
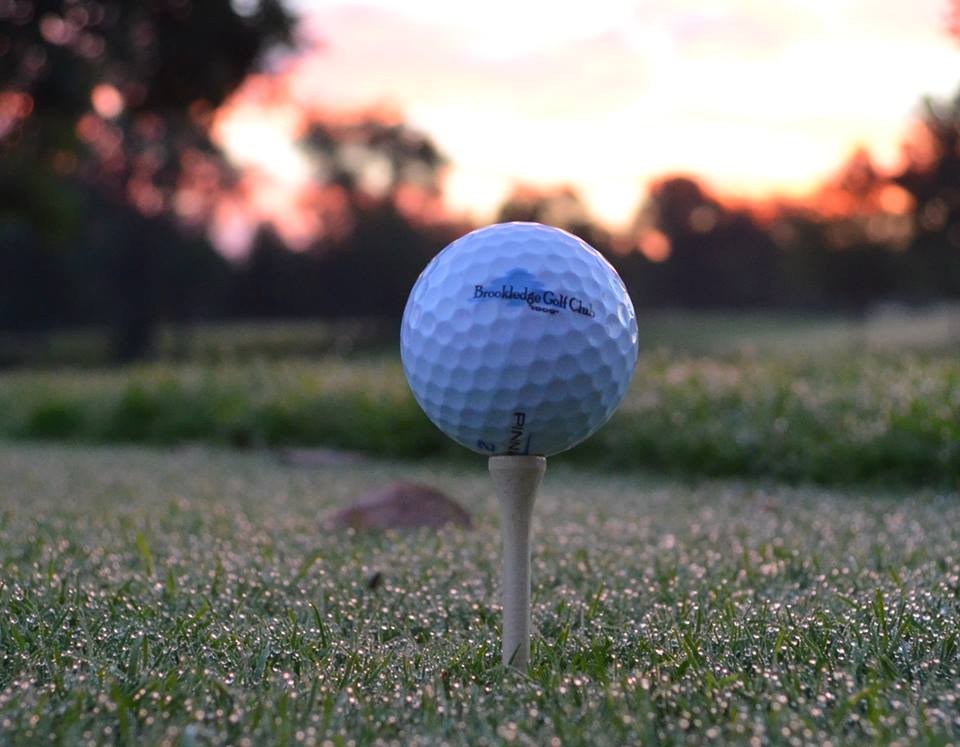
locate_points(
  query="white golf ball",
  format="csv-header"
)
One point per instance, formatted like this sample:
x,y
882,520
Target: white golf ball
x,y
519,338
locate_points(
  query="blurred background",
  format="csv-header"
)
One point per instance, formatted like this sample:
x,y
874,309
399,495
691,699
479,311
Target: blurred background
x,y
219,182
172,162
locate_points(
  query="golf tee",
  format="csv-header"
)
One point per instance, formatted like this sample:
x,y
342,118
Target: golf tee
x,y
517,479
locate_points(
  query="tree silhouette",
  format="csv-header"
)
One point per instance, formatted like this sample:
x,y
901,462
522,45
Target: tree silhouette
x,y
718,257
933,180
104,108
559,206
373,159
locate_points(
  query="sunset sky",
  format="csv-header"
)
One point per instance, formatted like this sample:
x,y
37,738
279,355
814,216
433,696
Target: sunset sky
x,y
757,97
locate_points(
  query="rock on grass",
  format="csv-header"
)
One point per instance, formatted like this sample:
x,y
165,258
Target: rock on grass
x,y
400,505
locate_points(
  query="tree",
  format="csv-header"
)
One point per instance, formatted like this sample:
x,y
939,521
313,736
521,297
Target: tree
x,y
718,257
559,206
104,110
388,179
373,158
932,176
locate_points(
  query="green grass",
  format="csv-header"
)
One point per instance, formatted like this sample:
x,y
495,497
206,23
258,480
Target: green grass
x,y
695,332
771,332
837,417
207,342
188,596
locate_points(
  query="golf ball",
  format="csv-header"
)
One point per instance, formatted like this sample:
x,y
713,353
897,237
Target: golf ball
x,y
519,338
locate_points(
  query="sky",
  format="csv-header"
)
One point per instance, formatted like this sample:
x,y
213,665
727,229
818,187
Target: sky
x,y
757,97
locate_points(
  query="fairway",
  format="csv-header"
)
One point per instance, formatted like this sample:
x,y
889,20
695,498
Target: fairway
x,y
190,596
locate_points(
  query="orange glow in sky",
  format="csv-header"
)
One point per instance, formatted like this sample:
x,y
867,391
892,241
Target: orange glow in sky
x,y
753,96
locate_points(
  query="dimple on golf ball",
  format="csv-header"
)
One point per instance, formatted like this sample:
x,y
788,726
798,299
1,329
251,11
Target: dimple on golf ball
x,y
519,338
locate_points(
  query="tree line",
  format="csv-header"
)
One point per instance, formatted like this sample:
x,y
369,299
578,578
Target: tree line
x,y
105,112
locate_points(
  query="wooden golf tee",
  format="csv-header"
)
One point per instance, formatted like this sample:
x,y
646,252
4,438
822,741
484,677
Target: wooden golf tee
x,y
517,479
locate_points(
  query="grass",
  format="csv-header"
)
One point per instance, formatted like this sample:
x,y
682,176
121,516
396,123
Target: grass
x,y
695,332
188,596
835,417
766,332
179,592
211,342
